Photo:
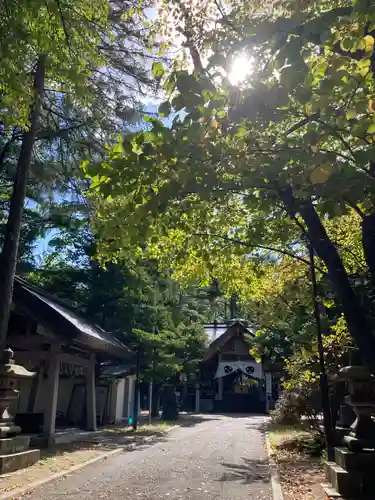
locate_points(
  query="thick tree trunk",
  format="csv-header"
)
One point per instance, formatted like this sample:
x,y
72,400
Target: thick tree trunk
x,y
9,254
358,325
169,399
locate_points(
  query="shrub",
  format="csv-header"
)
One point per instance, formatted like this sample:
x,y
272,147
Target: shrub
x,y
295,403
285,411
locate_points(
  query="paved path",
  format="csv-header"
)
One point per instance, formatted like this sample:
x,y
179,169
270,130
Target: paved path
x,y
219,457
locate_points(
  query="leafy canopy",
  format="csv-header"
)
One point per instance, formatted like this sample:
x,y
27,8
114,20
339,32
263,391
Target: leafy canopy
x,y
63,31
303,119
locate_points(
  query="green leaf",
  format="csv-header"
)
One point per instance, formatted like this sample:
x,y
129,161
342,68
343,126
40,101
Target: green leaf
x,y
157,70
165,109
179,102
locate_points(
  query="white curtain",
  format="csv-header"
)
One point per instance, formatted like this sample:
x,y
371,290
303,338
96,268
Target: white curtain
x,y
251,368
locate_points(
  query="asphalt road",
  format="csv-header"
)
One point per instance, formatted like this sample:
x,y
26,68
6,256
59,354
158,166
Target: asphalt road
x,y
219,457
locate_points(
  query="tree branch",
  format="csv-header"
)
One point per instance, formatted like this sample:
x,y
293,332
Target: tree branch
x,y
302,123
63,23
356,208
248,244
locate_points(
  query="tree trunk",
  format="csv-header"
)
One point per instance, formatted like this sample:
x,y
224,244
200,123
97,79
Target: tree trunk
x,y
368,243
155,408
9,254
170,409
358,325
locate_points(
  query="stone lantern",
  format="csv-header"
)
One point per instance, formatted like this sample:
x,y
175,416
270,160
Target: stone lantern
x,y
14,452
361,399
351,473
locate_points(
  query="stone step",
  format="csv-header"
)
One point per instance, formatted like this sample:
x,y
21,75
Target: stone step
x,y
344,482
331,493
14,444
20,460
363,461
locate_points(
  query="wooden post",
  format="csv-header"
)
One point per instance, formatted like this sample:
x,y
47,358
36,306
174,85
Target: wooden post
x,y
35,387
52,392
220,383
268,383
220,391
91,395
197,398
130,396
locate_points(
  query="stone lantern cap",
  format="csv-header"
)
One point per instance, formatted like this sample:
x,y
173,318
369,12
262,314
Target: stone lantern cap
x,y
9,368
354,374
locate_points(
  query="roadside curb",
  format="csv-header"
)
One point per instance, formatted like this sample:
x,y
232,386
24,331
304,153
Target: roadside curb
x,y
277,492
22,491
14,494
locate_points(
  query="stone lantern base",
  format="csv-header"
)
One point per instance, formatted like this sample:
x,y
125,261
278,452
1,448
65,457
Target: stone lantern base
x,y
15,454
351,475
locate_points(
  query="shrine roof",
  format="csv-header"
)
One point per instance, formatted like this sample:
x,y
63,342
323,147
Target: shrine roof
x,y
64,320
215,330
218,334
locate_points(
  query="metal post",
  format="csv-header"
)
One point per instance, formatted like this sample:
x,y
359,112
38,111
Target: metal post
x,y
324,389
136,391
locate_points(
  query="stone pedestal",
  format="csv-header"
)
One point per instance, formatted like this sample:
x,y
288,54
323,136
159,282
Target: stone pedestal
x,y
351,475
14,452
361,399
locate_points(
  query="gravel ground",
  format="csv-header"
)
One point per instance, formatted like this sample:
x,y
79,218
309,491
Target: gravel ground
x,y
216,457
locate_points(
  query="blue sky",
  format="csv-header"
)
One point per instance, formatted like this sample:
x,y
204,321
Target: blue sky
x,y
151,106
42,248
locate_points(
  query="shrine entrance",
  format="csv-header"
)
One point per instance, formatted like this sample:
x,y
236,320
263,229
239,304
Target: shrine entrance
x,y
237,380
241,393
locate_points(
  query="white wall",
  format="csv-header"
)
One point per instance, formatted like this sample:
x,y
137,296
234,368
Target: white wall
x,y
120,396
122,399
129,402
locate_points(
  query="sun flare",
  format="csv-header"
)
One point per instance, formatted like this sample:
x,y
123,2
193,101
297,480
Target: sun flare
x,y
240,70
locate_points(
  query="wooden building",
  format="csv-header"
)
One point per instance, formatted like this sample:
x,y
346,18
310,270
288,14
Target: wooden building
x,y
66,351
231,380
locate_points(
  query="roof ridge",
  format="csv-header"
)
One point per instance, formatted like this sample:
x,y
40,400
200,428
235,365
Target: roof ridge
x,y
59,301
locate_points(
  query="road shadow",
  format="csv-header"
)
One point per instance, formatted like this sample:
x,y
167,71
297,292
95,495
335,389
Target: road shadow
x,y
239,415
129,440
247,472
189,420
261,426
103,443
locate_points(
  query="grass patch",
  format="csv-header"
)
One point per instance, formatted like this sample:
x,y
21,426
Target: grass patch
x,y
296,438
156,426
279,434
296,451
